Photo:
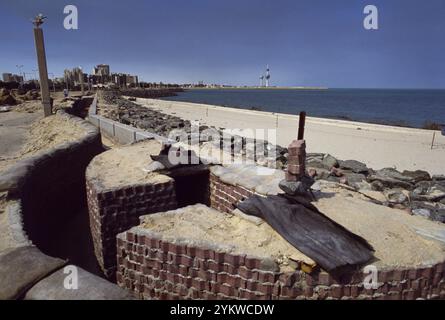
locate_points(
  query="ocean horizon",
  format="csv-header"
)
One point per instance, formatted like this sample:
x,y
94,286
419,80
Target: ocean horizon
x,y
417,108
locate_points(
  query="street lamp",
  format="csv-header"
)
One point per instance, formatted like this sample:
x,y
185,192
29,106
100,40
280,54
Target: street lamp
x,y
81,81
52,79
35,77
20,66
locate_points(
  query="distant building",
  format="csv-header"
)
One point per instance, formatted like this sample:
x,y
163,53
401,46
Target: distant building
x,y
73,77
101,74
9,77
132,81
123,80
101,70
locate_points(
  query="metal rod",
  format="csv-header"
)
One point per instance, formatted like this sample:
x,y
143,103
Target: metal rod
x,y
301,125
432,142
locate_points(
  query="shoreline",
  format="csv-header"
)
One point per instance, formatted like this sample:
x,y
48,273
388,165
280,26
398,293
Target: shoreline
x,y
377,145
321,120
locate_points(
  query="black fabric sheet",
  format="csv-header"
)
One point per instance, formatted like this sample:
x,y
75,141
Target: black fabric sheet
x,y
326,242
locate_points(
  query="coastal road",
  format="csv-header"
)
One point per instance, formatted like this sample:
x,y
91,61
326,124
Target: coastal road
x,y
378,146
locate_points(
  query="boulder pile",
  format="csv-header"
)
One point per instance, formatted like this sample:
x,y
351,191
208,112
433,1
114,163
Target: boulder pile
x,y
415,191
15,96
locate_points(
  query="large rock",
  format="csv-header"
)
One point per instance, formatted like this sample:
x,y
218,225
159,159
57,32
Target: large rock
x,y
428,191
395,196
391,178
330,162
418,175
439,177
432,211
354,166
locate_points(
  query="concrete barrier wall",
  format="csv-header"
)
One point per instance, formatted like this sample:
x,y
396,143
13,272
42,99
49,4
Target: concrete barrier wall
x,y
122,133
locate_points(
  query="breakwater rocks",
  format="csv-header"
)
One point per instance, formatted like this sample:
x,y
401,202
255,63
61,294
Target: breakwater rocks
x,y
151,93
417,192
175,128
130,113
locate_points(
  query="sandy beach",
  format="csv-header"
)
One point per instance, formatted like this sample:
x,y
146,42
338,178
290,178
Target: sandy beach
x,y
377,145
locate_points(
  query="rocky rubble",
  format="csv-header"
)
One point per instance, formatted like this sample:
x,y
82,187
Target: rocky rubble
x,y
415,191
15,96
130,113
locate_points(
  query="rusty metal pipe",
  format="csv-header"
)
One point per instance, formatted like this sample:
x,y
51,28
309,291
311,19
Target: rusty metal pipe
x,y
301,125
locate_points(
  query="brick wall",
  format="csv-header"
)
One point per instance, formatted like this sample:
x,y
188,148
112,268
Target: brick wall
x,y
224,196
117,210
152,267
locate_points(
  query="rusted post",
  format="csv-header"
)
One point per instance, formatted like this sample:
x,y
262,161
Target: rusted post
x,y
301,125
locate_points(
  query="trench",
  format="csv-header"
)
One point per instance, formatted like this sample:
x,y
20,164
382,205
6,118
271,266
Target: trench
x,y
192,185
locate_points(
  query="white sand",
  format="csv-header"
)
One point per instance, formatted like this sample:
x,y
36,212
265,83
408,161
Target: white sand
x,y
125,165
377,145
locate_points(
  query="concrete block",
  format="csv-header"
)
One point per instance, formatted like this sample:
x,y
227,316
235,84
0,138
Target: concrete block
x,y
107,127
124,134
94,120
143,135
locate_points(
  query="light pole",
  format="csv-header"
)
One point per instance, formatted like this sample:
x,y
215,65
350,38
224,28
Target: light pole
x,y
20,66
52,80
81,81
35,77
41,59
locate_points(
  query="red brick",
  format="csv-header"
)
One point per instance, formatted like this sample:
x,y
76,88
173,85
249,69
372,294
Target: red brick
x,y
325,279
413,274
203,253
336,291
217,256
176,248
290,177
398,275
410,294
269,277
215,266
209,295
226,290
252,263
295,169
130,236
234,259
186,261
265,288
233,281
199,284
427,272
245,273
191,251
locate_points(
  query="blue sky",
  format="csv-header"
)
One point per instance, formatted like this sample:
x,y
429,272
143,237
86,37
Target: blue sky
x,y
305,42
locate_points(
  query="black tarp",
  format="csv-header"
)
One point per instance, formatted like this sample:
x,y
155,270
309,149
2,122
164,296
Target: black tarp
x,y
329,244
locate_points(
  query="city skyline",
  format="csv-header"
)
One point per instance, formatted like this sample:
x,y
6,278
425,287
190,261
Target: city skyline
x,y
308,45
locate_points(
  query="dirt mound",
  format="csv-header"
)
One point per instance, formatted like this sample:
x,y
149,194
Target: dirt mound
x,y
51,132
